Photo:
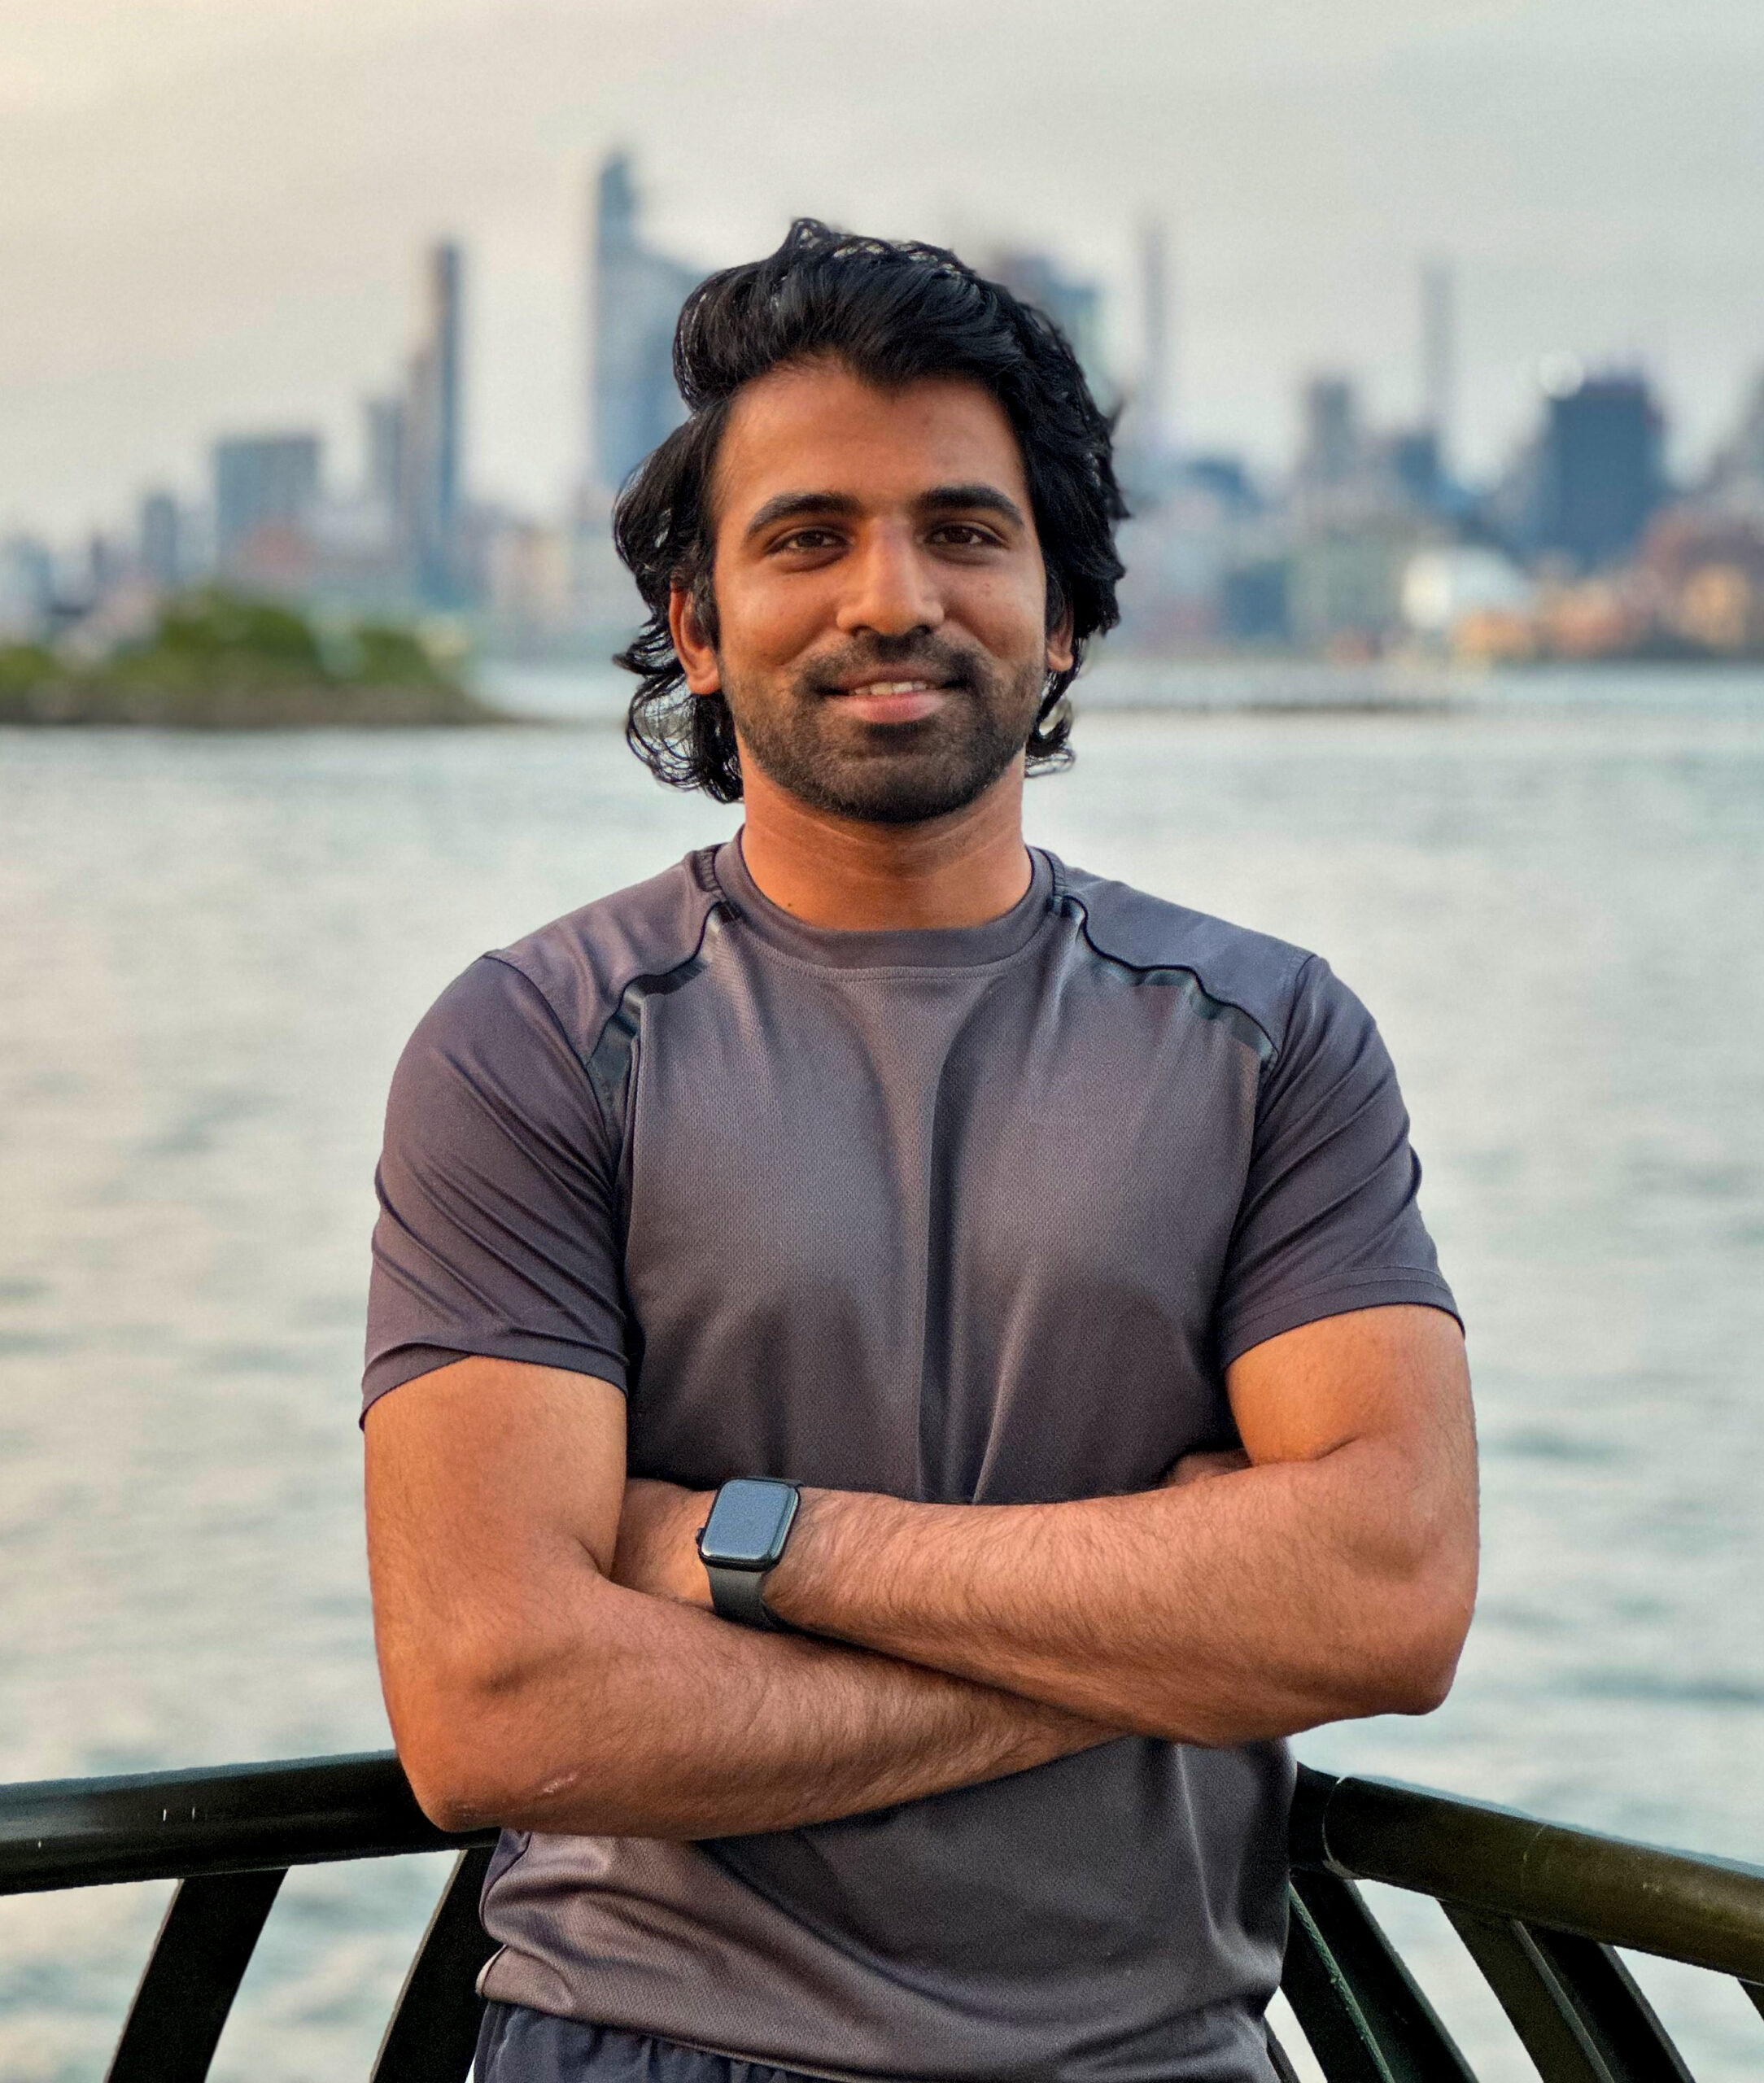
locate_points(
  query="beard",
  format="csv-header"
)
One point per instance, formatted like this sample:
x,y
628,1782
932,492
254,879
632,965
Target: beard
x,y
891,773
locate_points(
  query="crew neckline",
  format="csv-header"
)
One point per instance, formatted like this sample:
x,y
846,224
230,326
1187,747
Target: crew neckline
x,y
892,947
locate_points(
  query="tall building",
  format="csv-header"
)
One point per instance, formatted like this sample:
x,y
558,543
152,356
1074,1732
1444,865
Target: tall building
x,y
1329,450
1145,451
1413,470
1438,357
1156,381
429,438
27,588
633,302
264,485
1598,468
1074,303
1736,476
159,542
382,427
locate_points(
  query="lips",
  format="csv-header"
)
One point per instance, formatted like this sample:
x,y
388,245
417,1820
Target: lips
x,y
895,686
893,701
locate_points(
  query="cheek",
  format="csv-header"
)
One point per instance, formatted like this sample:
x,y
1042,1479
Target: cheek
x,y
1008,612
767,625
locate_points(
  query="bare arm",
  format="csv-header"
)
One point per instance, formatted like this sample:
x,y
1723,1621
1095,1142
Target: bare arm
x,y
526,1689
1335,1577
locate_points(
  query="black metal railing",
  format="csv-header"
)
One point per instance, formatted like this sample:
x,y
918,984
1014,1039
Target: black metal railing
x,y
228,1837
1543,1910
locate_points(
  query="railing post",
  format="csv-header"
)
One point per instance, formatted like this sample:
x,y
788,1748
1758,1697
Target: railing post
x,y
192,1976
432,2031
1414,2045
1542,2013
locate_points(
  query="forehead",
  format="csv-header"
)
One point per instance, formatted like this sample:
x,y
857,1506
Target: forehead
x,y
818,428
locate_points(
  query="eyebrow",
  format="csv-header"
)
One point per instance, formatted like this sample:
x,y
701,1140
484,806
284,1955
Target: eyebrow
x,y
800,506
940,498
988,499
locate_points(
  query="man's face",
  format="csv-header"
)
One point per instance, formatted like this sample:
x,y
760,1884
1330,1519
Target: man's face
x,y
881,595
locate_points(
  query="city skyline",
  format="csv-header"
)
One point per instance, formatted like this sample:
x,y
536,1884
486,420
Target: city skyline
x,y
1368,535
406,451
210,212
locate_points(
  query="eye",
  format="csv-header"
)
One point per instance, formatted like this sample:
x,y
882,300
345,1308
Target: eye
x,y
804,539
964,536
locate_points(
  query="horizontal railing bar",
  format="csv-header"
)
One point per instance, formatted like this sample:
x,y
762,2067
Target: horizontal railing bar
x,y
67,1833
1706,1911
231,1818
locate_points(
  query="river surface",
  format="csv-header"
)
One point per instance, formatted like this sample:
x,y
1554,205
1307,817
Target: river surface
x,y
211,950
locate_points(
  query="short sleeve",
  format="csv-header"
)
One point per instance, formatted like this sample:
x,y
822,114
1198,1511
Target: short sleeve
x,y
1329,1220
497,1232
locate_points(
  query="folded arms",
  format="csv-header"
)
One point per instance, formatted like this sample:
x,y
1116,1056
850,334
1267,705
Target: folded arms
x,y
550,1663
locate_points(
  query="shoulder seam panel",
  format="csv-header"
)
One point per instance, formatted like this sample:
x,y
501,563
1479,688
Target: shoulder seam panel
x,y
1236,1018
532,983
608,1063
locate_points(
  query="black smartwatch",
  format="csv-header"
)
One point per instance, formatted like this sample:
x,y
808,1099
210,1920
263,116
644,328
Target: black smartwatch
x,y
742,1541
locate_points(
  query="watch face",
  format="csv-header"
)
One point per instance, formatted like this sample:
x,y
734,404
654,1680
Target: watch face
x,y
747,1524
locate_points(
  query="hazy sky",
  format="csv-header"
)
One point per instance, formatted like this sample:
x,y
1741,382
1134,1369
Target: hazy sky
x,y
210,210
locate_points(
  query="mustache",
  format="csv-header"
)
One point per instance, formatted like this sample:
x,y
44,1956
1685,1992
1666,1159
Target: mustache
x,y
920,655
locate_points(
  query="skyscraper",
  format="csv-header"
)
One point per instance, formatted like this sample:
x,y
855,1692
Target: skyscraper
x,y
1153,405
382,426
432,460
1599,469
1330,450
1073,303
633,302
27,588
1438,356
263,484
158,545
1736,476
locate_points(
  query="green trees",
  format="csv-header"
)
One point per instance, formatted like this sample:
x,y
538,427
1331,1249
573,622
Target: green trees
x,y
217,660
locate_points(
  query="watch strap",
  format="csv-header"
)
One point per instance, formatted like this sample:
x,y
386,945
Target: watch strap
x,y
740,1595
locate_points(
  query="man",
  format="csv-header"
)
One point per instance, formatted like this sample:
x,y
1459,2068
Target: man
x,y
1018,1279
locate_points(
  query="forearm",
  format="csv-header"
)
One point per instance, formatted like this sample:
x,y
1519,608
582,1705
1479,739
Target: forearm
x,y
1252,1606
646,1717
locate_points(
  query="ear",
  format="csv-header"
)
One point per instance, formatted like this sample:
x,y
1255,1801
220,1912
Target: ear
x,y
704,675
1060,645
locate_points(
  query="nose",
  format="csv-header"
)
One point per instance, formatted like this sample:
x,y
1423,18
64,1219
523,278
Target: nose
x,y
893,591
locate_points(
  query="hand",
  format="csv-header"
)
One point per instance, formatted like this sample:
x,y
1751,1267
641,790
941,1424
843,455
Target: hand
x,y
1203,1466
657,1552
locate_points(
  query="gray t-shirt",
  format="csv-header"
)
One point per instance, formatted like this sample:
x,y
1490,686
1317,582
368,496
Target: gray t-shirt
x,y
977,1215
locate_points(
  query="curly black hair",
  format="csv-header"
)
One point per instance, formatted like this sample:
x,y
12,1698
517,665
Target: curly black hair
x,y
892,312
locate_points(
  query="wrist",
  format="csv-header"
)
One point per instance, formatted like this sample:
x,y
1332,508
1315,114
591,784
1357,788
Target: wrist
x,y
791,1586
741,1543
689,1573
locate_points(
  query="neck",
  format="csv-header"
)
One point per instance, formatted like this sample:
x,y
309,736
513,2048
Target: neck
x,y
956,871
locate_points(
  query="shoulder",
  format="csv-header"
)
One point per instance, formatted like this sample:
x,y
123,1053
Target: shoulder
x,y
583,964
515,1035
1260,980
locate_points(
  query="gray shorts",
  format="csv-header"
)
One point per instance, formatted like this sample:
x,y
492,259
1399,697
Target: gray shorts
x,y
519,2046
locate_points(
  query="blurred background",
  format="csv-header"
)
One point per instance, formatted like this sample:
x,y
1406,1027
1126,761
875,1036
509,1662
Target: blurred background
x,y
1437,334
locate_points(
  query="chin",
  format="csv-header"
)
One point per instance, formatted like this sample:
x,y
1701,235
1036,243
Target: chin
x,y
899,797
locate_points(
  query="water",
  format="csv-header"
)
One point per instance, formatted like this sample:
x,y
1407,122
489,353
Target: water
x,y
213,948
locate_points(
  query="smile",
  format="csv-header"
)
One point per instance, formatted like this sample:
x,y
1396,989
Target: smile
x,y
892,701
895,686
